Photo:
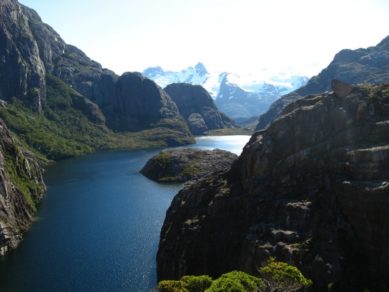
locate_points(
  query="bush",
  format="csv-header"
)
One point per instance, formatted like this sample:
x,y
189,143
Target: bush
x,y
186,284
172,286
197,283
237,281
275,276
281,276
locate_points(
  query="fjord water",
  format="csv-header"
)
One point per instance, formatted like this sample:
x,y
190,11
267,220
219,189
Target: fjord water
x,y
98,227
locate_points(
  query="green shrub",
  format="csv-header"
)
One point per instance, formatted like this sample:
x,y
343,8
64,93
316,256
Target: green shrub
x,y
197,283
172,286
283,277
237,281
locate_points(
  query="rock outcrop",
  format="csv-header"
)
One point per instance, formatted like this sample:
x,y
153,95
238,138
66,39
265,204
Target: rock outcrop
x,y
312,189
369,65
198,108
21,188
140,103
187,164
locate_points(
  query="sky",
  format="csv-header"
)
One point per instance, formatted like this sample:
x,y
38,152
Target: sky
x,y
239,36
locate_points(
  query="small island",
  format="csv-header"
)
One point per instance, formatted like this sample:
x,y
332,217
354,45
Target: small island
x,y
186,164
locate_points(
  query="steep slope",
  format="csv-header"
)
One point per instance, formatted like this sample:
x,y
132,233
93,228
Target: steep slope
x,y
198,108
369,65
320,203
21,189
70,64
22,72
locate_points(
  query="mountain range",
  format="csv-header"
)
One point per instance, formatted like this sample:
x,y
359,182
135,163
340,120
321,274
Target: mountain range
x,y
238,96
310,187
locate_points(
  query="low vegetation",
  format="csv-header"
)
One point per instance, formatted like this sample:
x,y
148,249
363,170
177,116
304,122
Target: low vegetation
x,y
230,131
281,276
274,276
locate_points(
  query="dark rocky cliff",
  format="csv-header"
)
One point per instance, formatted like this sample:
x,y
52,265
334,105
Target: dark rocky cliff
x,y
69,63
369,65
312,189
22,72
140,103
21,189
198,108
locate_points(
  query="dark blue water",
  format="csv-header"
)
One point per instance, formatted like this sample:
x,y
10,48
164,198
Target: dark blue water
x,y
98,227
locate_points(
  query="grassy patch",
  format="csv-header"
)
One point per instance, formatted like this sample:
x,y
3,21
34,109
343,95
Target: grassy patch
x,y
230,131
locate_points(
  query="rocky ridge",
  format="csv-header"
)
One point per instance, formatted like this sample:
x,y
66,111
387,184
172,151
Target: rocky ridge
x,y
186,164
369,65
198,108
320,204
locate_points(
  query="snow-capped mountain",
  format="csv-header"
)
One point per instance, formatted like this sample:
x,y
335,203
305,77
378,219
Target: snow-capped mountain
x,y
241,102
239,96
195,75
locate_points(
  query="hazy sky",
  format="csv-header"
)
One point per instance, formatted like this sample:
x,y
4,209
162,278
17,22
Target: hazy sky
x,y
234,35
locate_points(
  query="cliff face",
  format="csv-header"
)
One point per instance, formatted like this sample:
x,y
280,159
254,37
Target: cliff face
x,y
197,107
369,65
22,72
69,63
140,103
311,190
21,188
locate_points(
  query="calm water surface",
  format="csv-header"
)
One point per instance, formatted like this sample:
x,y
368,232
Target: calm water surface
x,y
98,227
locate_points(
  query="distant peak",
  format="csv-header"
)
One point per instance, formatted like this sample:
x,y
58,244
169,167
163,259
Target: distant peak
x,y
153,71
384,43
200,68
